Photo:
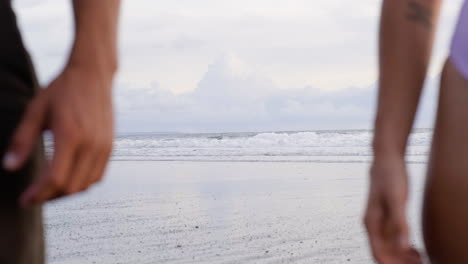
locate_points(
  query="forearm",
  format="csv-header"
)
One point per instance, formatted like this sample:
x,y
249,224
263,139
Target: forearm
x,y
95,44
406,38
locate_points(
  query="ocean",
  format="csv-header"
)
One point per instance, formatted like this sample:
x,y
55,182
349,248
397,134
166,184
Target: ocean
x,y
269,197
281,146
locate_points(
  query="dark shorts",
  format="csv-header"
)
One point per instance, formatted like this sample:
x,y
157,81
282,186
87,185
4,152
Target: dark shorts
x,y
21,234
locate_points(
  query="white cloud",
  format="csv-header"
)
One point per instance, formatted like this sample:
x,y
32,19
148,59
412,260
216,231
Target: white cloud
x,y
167,48
231,98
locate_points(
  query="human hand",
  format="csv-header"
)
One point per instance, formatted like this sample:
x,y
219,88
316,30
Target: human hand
x,y
77,108
385,217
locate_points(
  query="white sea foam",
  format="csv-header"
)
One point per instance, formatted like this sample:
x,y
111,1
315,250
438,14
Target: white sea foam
x,y
318,146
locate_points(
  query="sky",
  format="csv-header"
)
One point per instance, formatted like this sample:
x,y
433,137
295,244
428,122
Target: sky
x,y
245,65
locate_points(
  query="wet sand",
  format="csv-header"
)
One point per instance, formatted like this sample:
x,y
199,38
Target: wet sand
x,y
219,212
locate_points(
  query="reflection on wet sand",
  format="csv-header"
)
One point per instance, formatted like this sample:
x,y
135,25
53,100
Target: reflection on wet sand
x,y
217,212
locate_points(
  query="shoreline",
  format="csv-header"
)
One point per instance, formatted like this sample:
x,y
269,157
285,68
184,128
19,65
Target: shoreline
x,y
219,212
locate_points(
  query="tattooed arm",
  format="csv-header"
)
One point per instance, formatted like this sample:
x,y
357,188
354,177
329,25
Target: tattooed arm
x,y
406,38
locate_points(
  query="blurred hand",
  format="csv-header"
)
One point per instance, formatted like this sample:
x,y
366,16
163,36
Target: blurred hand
x,y
385,217
77,108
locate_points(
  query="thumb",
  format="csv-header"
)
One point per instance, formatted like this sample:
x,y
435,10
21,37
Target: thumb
x,y
25,136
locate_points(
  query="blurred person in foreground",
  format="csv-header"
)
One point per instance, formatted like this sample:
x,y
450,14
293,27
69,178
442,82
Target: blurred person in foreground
x,y
406,39
76,107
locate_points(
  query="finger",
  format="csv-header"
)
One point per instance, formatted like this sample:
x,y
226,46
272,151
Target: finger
x,y
415,256
412,256
29,196
53,181
101,163
414,252
25,136
95,158
80,177
373,221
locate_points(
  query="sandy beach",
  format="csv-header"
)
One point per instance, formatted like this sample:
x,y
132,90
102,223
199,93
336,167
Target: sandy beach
x,y
219,212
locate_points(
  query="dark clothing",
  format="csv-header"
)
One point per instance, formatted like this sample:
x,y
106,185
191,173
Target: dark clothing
x,y
21,234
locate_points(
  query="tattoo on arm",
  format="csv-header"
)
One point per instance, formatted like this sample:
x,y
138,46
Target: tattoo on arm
x,y
418,13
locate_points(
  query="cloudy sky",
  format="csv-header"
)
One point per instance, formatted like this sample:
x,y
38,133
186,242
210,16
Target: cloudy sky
x,y
245,65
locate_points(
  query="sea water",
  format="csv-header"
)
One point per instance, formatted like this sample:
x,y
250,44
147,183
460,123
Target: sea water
x,y
270,197
302,146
